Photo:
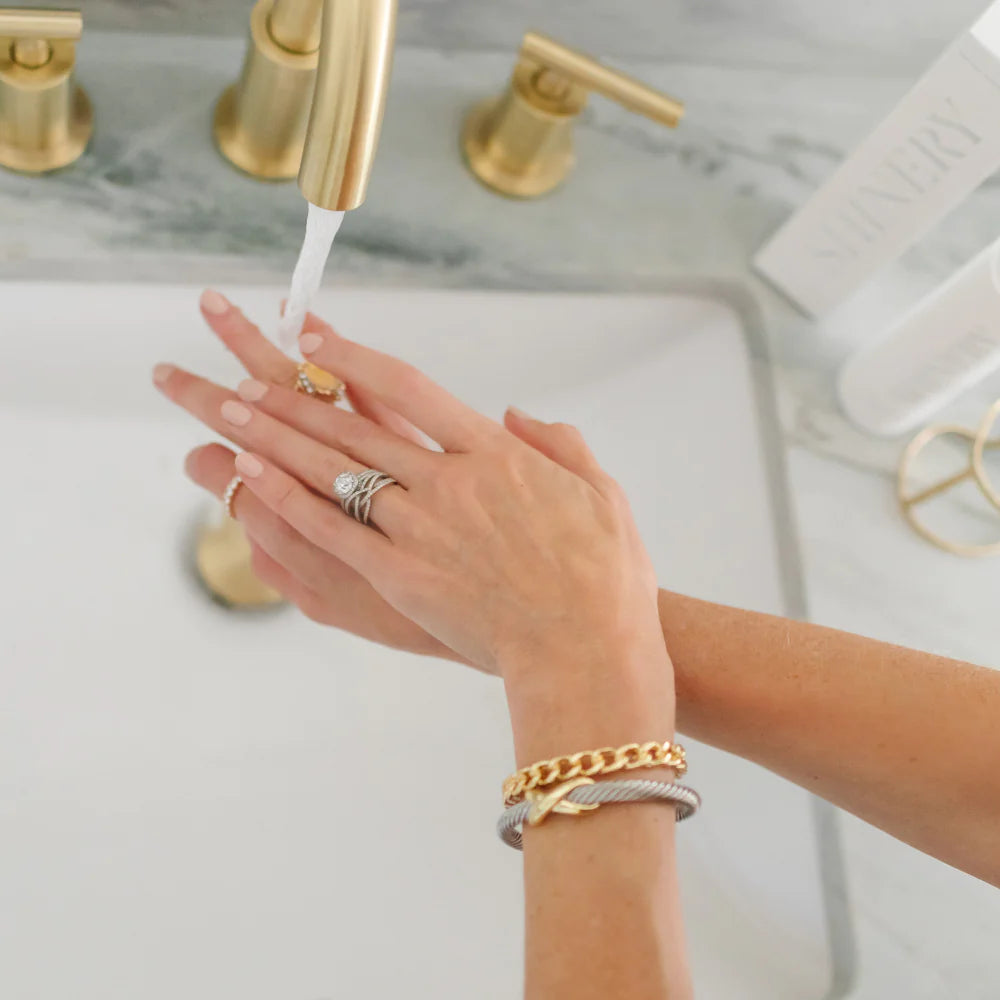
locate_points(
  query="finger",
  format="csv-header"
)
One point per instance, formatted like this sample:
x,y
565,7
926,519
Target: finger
x,y
375,410
256,353
317,520
349,433
446,419
270,572
313,463
211,467
367,403
562,443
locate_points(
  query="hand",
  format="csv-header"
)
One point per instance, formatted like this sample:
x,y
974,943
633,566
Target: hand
x,y
493,548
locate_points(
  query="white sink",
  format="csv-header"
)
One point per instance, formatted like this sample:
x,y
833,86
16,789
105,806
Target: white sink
x,y
202,804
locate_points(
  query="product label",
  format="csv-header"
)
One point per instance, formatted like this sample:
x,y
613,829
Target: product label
x,y
909,171
938,144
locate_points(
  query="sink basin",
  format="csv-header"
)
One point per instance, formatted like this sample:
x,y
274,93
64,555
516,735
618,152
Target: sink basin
x,y
202,803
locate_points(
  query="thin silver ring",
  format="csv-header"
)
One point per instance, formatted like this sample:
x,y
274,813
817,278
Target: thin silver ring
x,y
355,490
686,802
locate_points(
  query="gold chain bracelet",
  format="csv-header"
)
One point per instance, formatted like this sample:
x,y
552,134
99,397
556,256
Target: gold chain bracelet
x,y
589,763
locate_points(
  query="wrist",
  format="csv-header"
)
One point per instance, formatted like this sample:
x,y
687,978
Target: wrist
x,y
607,695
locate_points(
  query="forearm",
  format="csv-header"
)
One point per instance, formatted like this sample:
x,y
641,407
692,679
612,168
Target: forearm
x,y
602,909
905,740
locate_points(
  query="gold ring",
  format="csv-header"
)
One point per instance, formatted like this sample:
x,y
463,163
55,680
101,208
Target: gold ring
x,y
909,501
230,495
312,380
982,443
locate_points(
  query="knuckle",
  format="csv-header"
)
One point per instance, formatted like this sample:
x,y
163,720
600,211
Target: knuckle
x,y
312,606
615,493
355,432
572,440
285,497
409,380
565,430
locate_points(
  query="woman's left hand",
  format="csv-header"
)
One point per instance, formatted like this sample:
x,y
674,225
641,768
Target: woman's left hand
x,y
320,585
499,552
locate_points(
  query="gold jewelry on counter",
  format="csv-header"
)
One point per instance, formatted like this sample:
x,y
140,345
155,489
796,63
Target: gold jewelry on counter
x,y
981,441
318,383
589,763
982,444
229,497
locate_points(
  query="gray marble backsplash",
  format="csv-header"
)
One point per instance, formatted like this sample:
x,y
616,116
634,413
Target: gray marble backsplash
x,y
883,37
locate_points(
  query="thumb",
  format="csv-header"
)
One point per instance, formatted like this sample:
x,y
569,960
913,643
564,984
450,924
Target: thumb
x,y
562,443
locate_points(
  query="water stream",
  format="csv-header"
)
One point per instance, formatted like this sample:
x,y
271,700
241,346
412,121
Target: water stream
x,y
321,229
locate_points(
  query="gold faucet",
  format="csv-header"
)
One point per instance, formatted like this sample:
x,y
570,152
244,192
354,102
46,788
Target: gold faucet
x,y
521,144
45,118
270,124
309,101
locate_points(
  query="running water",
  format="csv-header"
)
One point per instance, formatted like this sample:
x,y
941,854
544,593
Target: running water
x,y
321,229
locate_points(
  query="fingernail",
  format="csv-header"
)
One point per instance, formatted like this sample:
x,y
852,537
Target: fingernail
x,y
235,413
213,302
310,342
520,414
162,372
251,390
249,466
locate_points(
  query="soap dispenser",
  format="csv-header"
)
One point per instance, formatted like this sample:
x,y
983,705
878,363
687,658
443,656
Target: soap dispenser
x,y
45,118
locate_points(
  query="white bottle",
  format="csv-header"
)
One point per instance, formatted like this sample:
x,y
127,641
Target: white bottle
x,y
946,343
937,145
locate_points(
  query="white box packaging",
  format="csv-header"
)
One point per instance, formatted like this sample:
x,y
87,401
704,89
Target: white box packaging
x,y
937,145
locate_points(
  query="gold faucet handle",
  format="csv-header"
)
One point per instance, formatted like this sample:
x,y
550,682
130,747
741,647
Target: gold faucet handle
x,y
45,118
522,143
558,69
33,31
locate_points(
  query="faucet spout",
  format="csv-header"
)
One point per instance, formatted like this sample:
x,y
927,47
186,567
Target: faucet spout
x,y
311,96
355,62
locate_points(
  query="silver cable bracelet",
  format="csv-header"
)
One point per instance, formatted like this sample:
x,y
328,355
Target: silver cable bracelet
x,y
591,794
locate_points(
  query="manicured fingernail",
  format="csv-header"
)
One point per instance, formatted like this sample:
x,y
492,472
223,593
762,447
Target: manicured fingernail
x,y
162,372
213,302
249,466
251,390
310,342
235,413
520,414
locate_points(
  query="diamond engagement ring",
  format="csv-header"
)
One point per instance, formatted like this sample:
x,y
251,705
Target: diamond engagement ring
x,y
355,490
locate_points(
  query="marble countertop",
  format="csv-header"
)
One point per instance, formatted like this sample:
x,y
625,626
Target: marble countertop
x,y
646,207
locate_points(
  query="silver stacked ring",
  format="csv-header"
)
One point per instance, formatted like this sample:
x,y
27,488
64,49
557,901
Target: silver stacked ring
x,y
686,802
355,490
